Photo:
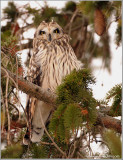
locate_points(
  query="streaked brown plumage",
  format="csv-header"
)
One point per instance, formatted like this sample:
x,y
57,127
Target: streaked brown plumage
x,y
53,58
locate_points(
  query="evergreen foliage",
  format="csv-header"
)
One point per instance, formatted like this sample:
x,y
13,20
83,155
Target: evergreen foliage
x,y
118,39
11,11
50,150
116,94
75,105
46,13
31,10
8,40
13,151
70,6
108,8
74,86
114,143
38,151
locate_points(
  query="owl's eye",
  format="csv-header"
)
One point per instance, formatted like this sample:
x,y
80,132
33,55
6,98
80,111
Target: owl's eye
x,y
41,32
56,31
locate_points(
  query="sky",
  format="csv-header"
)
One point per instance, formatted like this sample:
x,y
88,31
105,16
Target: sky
x,y
104,80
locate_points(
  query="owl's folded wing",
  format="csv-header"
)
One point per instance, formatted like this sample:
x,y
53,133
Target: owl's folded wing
x,y
33,75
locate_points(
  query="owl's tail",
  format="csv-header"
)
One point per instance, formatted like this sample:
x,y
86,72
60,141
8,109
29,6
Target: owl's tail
x,y
37,131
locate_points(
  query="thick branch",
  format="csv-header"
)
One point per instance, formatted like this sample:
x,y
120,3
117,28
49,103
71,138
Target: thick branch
x,y
48,97
31,89
103,120
109,122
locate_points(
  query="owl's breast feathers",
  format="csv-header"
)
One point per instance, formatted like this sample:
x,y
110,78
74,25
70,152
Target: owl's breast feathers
x,y
49,64
55,59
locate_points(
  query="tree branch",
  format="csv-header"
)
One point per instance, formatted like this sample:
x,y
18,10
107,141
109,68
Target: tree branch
x,y
30,88
50,98
109,122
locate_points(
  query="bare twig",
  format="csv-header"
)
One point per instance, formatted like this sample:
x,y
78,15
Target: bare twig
x,y
19,102
69,153
5,60
14,107
74,149
3,120
71,21
114,20
16,87
9,76
17,81
80,155
72,145
7,111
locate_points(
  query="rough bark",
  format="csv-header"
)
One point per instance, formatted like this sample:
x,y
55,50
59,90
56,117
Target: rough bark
x,y
31,89
109,122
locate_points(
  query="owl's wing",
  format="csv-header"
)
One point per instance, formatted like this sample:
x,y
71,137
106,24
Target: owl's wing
x,y
34,76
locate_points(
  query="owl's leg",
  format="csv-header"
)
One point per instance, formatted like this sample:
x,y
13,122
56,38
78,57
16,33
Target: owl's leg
x,y
37,126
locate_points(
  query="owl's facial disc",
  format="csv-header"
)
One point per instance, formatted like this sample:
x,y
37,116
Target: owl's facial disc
x,y
49,32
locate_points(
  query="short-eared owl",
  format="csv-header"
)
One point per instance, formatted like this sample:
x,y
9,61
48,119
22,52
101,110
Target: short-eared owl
x,y
52,59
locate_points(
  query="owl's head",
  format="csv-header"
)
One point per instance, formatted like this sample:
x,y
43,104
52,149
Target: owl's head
x,y
49,31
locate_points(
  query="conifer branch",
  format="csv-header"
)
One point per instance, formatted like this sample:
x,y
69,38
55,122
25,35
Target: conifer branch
x,y
48,97
43,126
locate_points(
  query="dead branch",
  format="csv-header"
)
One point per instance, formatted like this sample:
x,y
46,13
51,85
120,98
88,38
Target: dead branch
x,y
71,21
3,111
20,104
7,112
14,106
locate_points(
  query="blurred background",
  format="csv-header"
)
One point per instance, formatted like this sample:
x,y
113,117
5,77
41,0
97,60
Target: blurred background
x,y
101,51
94,28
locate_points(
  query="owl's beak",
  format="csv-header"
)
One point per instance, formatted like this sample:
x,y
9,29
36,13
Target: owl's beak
x,y
49,38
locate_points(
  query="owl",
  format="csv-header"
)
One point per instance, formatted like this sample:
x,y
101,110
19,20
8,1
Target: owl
x,y
52,59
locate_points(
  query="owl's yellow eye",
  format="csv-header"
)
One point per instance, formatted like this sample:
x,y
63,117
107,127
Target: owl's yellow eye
x,y
41,32
56,31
